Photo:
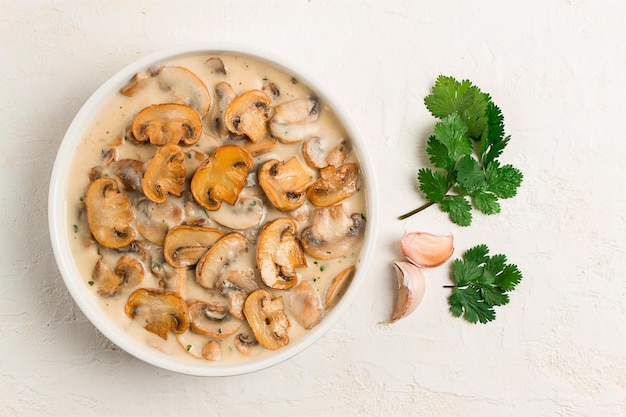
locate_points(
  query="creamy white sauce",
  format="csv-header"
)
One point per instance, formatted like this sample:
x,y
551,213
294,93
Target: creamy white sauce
x,y
244,74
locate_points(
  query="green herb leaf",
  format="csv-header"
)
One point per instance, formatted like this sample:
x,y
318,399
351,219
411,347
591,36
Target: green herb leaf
x,y
481,283
459,209
433,184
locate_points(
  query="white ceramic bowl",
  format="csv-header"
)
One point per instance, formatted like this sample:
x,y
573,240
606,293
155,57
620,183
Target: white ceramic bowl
x,y
61,230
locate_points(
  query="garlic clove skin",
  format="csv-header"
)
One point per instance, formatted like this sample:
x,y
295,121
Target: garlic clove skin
x,y
427,250
411,288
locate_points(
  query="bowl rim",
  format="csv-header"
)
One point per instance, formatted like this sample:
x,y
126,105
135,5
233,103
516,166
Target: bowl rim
x,y
59,230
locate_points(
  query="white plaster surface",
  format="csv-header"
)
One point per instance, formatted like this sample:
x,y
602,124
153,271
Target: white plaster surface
x,y
557,68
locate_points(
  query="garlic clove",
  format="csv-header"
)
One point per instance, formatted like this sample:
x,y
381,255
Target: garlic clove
x,y
411,287
427,250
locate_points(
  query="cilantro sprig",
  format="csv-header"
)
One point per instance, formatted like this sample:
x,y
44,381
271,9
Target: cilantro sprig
x,y
481,283
465,146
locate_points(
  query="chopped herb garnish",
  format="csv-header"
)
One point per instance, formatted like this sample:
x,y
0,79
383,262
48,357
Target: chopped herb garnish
x,y
188,348
90,283
294,80
75,227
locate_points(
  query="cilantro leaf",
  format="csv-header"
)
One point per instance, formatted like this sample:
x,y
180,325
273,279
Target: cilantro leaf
x,y
481,282
433,184
464,148
459,209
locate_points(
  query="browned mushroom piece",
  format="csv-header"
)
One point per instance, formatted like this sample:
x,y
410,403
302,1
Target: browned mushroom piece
x,y
267,319
338,155
183,245
223,252
304,303
165,174
313,153
159,311
244,343
248,113
333,233
129,172
247,212
235,285
211,318
225,95
154,220
279,253
334,185
215,65
221,177
169,123
260,147
109,214
338,286
128,272
177,85
212,351
294,120
285,183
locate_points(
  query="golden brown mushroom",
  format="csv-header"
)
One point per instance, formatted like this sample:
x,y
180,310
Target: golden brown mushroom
x,y
221,177
155,219
333,233
338,286
334,185
293,121
129,172
165,174
304,303
225,95
285,183
159,310
235,285
168,123
109,214
267,319
211,318
128,272
247,114
183,246
279,253
224,251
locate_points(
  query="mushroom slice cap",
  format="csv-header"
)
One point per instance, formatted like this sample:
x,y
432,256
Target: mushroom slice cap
x,y
279,253
155,219
304,303
261,146
161,311
248,113
223,252
165,174
247,212
333,233
267,319
128,272
211,318
338,286
245,343
225,94
212,351
285,183
109,214
235,285
221,177
184,246
293,121
334,185
168,123
129,172
339,153
313,153
215,65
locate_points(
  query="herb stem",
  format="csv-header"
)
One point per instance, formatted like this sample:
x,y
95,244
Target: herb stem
x,y
417,210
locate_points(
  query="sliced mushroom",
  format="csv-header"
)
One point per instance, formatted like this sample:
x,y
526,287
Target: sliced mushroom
x,y
339,153
169,123
293,120
172,279
260,147
128,272
185,245
109,214
334,185
192,161
313,153
304,303
279,253
212,351
221,177
224,251
160,311
244,343
225,95
247,212
155,219
338,286
130,173
247,114
235,285
285,183
215,65
178,85
267,319
165,174
333,233
211,318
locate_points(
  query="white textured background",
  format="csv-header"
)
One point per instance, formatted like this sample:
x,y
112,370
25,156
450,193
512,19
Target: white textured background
x,y
557,69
